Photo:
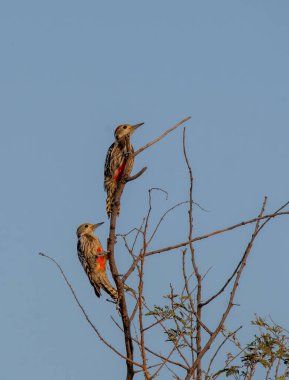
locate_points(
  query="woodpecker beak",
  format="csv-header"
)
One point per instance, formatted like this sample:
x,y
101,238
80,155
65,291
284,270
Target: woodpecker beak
x,y
136,126
95,226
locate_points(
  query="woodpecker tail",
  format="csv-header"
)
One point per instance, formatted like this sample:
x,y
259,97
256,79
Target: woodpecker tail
x,y
106,286
110,199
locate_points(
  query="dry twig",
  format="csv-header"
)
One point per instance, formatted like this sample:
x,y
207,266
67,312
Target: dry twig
x,y
84,312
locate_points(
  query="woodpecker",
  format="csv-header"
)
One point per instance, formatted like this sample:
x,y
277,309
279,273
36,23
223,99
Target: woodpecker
x,y
118,157
93,259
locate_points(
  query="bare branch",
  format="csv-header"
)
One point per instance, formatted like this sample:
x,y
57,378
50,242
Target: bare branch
x,y
154,353
85,314
138,174
163,217
116,276
217,232
132,267
196,269
232,295
167,332
134,312
224,286
186,287
238,266
161,137
166,360
219,348
140,295
138,258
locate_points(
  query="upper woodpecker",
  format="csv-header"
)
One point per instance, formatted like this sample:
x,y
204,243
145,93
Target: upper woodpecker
x,y
118,158
93,259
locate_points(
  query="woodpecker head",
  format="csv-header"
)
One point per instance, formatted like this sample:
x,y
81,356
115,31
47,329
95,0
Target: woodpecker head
x,y
124,130
87,229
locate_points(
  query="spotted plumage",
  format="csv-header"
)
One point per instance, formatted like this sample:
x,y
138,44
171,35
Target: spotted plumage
x,y
93,259
118,159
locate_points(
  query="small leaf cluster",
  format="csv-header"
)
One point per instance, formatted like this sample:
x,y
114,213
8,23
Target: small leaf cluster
x,y
178,317
269,350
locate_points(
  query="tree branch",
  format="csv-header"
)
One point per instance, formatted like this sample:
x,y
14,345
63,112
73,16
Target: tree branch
x,y
161,137
193,259
119,283
217,232
232,295
218,350
85,314
138,174
152,352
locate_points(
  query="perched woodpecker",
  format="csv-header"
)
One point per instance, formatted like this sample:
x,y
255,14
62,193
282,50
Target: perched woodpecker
x,y
118,157
93,259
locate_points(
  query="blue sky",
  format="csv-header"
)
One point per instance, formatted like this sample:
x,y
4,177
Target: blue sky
x,y
70,72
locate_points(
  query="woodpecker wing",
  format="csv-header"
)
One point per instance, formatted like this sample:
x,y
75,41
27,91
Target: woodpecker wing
x,y
108,163
87,268
96,287
115,163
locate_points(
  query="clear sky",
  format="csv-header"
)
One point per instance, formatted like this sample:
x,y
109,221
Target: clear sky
x,y
70,71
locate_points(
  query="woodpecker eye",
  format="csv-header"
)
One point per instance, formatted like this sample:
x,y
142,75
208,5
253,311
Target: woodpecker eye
x,y
86,226
125,126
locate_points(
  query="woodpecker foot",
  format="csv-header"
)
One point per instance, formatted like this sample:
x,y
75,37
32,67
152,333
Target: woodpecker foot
x,y
127,154
125,179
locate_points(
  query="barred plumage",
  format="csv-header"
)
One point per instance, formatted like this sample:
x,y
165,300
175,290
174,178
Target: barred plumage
x,y
93,259
118,158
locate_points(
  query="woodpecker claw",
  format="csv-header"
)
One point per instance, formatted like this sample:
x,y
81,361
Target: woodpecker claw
x,y
127,154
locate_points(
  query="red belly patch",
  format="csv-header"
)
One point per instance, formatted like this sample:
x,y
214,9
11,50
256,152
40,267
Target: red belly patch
x,y
119,172
101,263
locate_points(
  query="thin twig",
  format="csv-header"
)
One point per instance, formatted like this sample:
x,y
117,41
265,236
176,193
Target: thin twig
x,y
186,286
140,293
219,348
189,295
133,314
238,266
194,263
163,217
223,287
161,137
138,174
152,352
232,295
138,258
84,312
165,361
217,232
167,332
